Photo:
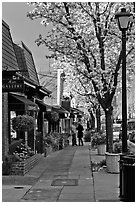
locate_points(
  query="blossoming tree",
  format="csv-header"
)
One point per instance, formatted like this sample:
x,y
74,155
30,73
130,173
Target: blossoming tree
x,y
87,36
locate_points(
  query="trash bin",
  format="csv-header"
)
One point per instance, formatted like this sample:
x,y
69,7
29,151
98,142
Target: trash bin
x,y
127,178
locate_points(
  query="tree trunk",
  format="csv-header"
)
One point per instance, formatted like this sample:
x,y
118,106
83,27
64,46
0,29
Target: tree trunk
x,y
92,120
109,129
98,114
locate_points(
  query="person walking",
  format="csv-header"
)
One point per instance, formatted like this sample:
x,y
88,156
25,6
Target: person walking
x,y
80,133
73,133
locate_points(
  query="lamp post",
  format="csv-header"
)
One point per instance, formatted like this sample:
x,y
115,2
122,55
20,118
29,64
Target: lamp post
x,y
123,19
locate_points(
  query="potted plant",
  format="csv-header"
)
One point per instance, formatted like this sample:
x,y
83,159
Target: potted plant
x,y
112,159
99,141
23,123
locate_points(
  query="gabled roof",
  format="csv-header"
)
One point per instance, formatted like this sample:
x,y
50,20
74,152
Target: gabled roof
x,y
19,57
26,62
9,61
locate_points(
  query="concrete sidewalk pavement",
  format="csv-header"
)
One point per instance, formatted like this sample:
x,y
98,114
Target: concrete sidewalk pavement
x,y
63,176
106,185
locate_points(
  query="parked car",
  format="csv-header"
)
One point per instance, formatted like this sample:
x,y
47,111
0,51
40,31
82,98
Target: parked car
x,y
130,130
116,131
130,126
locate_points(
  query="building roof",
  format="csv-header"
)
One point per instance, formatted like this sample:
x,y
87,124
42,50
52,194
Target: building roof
x,y
9,61
26,62
17,56
59,109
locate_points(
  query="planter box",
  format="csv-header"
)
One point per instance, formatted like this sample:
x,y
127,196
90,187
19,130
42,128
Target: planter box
x,y
101,149
22,167
112,162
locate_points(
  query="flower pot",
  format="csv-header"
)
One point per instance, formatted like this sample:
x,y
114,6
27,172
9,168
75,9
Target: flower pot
x,y
101,149
112,162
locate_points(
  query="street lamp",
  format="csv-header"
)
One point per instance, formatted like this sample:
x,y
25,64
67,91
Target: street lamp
x,y
123,19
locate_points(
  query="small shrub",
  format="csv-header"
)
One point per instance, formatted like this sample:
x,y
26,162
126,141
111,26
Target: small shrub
x,y
98,139
48,140
7,164
96,166
23,152
14,144
102,163
117,147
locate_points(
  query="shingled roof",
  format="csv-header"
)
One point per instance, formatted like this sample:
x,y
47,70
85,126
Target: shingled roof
x,y
9,61
17,56
26,62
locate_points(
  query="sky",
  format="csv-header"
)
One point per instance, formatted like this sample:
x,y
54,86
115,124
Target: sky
x,y
26,30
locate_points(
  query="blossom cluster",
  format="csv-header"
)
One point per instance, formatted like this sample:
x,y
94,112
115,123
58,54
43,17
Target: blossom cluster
x,y
98,139
23,123
23,152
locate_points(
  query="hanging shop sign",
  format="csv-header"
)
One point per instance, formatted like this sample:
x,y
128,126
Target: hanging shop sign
x,y
12,85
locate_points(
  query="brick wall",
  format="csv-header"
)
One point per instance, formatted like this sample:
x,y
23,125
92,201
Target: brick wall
x,y
21,168
5,142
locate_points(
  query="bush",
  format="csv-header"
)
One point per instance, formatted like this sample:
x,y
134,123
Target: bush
x,y
96,166
23,152
7,164
103,163
98,139
14,144
117,147
54,139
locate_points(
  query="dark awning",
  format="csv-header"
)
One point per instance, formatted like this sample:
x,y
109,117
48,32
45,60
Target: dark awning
x,y
76,111
17,102
59,109
43,106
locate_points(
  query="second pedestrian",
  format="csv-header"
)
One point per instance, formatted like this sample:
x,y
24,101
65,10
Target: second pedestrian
x,y
80,133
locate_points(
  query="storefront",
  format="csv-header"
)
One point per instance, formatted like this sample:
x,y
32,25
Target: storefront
x,y
20,89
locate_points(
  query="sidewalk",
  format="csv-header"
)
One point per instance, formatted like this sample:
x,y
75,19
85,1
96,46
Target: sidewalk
x,y
106,185
63,176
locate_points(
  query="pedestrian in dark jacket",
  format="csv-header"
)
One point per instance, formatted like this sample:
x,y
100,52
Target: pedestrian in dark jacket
x,y
80,133
73,133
